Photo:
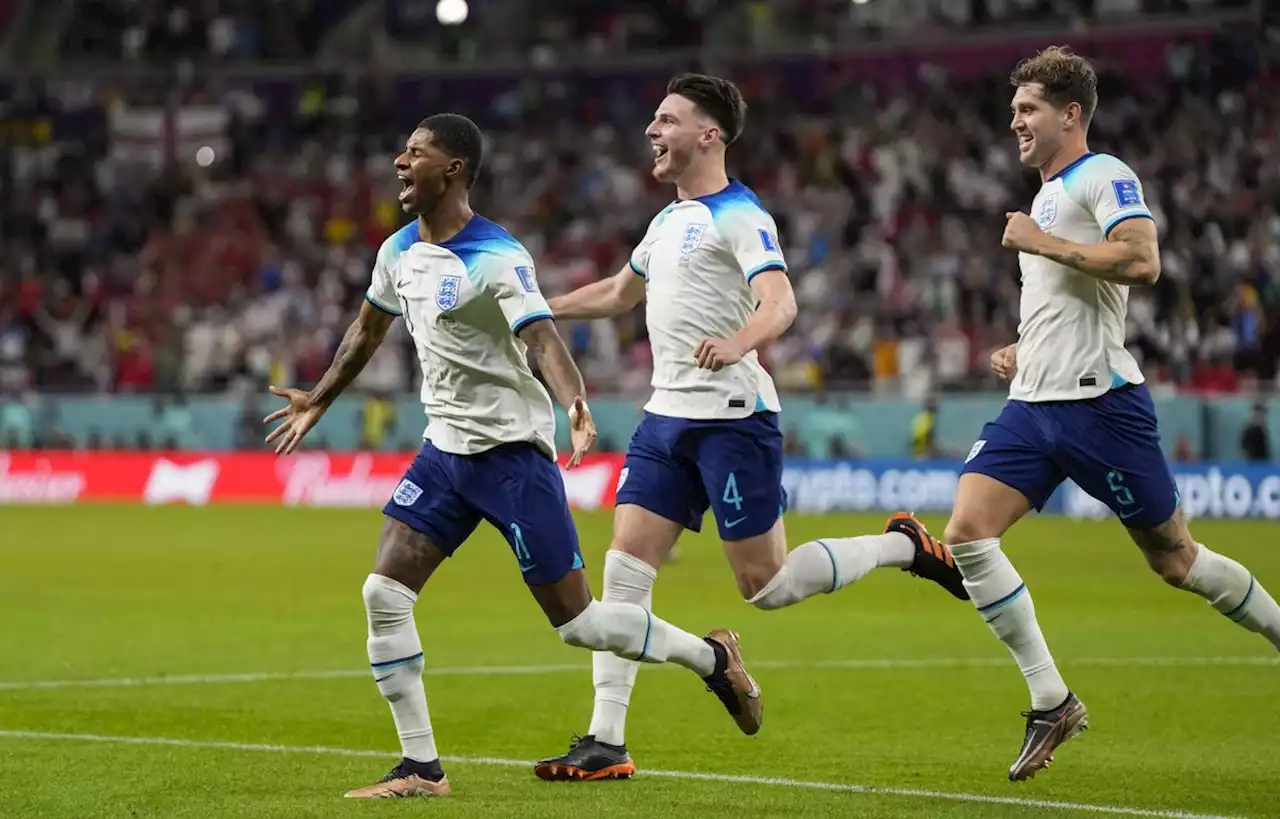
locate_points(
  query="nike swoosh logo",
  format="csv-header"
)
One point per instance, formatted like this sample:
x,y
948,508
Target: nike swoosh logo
x,y
1127,515
380,679
729,524
526,569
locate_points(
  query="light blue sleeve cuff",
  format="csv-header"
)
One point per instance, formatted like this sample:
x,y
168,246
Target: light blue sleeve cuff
x,y
1124,216
379,305
772,264
525,321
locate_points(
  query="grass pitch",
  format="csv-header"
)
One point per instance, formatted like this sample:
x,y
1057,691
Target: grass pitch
x,y
890,699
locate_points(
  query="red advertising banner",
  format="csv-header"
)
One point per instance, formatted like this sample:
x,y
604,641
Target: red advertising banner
x,y
362,480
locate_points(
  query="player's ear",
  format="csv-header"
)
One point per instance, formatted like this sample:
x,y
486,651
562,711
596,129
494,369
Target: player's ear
x,y
1071,114
454,170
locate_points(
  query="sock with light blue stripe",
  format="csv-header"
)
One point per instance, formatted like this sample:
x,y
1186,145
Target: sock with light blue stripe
x,y
828,565
1002,599
631,631
395,657
1233,591
627,579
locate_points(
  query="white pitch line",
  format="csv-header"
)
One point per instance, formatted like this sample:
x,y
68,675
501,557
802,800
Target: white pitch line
x,y
775,782
516,670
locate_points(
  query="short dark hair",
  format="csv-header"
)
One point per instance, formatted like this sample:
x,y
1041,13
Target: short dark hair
x,y
460,138
1066,77
717,98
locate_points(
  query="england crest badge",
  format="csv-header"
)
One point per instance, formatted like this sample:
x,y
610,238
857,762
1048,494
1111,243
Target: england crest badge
x,y
1048,211
447,292
407,493
692,237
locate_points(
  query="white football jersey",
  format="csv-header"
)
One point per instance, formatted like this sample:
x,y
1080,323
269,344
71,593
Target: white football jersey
x,y
698,258
463,301
1071,335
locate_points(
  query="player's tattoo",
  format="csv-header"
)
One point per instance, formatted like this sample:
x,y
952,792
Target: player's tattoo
x,y
358,346
1071,259
1140,251
1166,538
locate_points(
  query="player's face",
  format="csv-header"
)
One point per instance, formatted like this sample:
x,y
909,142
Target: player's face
x,y
677,133
1038,125
424,172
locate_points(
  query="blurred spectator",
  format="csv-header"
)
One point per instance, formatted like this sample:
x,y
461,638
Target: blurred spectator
x,y
17,421
377,421
924,430
128,266
174,425
1255,440
1182,451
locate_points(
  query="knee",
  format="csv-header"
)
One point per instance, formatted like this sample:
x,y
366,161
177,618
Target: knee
x,y
754,579
387,602
967,529
586,630
1169,549
1174,565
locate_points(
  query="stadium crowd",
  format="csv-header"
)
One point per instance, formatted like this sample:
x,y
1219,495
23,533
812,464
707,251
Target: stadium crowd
x,y
122,273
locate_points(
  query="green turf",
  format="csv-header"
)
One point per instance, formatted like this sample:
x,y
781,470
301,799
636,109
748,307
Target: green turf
x,y
98,592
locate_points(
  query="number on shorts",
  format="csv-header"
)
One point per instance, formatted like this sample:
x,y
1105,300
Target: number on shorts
x,y
517,545
731,494
1115,481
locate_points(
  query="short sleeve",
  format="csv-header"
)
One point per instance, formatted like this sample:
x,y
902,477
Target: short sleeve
x,y
639,260
382,287
513,282
752,238
1110,190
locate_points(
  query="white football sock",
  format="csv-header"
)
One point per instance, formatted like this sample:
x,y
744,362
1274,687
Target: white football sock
x,y
627,579
395,653
630,631
1232,590
1002,599
824,566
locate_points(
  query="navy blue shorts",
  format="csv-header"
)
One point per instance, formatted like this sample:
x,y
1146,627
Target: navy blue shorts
x,y
677,467
1109,445
515,487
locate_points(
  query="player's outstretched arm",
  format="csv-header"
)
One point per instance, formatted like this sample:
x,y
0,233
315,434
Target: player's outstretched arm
x,y
775,310
565,380
1130,255
613,296
305,408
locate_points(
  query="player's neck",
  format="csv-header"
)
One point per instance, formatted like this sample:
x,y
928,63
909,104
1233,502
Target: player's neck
x,y
702,181
445,220
1063,158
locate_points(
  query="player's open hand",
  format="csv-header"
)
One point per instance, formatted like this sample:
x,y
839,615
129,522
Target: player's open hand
x,y
298,417
1004,362
582,431
1021,233
717,353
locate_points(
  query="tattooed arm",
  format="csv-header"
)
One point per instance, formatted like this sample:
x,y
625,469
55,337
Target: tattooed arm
x,y
361,341
304,409
1130,255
